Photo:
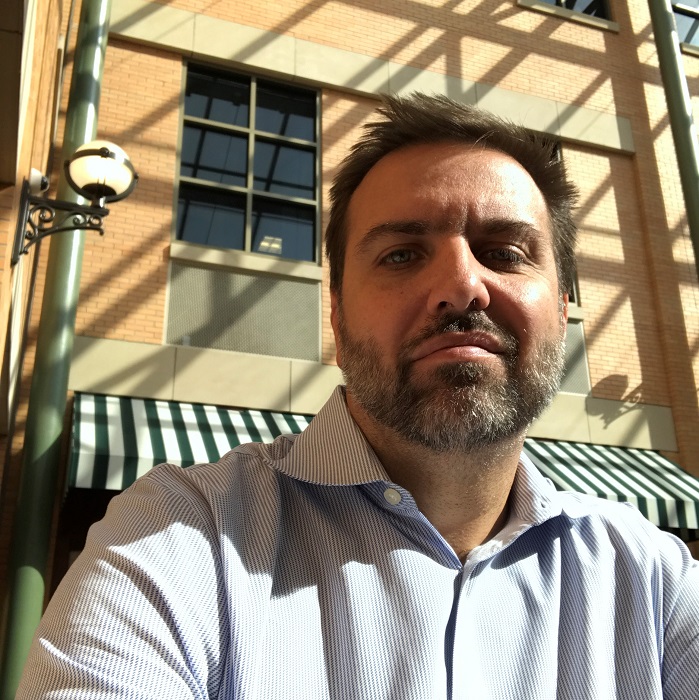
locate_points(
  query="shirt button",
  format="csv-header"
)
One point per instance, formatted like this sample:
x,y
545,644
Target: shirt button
x,y
392,496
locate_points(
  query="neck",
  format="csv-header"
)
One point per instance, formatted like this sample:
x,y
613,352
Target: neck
x,y
463,494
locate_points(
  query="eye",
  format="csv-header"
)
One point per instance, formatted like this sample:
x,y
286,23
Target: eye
x,y
504,256
399,256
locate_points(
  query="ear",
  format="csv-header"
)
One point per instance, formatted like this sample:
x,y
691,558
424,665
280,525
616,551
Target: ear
x,y
334,322
564,308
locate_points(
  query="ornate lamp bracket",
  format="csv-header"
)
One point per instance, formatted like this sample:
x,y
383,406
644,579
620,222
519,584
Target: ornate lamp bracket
x,y
39,217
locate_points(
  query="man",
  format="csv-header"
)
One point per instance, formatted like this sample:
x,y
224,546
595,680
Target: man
x,y
402,546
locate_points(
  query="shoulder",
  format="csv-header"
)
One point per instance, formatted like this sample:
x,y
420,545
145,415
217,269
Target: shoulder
x,y
619,521
617,537
251,461
203,496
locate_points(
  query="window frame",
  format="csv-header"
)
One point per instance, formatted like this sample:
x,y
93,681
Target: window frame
x,y
680,8
249,192
548,8
561,4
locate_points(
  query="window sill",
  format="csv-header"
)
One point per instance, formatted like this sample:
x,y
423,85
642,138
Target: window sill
x,y
575,313
571,15
689,49
247,262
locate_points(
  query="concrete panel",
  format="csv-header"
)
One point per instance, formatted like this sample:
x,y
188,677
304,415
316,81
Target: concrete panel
x,y
340,68
565,419
256,381
256,48
535,113
404,79
238,259
631,425
232,379
587,126
122,368
151,23
311,385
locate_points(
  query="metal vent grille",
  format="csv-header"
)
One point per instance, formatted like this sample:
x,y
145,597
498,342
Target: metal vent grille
x,y
576,377
255,313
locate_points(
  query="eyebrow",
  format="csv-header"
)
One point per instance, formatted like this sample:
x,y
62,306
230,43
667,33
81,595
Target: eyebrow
x,y
523,228
409,227
412,227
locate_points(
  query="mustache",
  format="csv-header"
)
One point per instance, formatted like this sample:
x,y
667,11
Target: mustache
x,y
463,322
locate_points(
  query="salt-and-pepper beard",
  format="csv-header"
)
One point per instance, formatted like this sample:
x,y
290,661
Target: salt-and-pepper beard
x,y
461,406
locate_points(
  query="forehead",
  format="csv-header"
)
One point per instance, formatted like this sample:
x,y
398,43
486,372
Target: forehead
x,y
453,181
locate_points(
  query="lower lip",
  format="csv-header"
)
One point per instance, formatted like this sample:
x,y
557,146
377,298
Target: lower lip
x,y
460,353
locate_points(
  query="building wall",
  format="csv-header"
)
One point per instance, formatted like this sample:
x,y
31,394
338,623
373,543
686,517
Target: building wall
x,y
621,321
594,85
511,59
38,28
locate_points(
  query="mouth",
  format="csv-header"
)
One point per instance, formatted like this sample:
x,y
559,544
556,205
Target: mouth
x,y
466,346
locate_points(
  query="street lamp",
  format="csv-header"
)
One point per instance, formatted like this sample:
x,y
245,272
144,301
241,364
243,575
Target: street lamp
x,y
99,171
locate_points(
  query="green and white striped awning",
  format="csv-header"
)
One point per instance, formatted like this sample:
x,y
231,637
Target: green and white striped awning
x,y
666,494
115,440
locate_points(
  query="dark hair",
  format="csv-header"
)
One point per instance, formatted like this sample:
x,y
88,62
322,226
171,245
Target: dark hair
x,y
421,119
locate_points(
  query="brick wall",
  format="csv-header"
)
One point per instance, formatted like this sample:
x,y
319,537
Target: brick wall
x,y
123,285
616,293
487,41
637,272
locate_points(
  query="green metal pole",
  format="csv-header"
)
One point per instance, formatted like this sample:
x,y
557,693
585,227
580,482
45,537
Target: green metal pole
x,y
48,395
684,132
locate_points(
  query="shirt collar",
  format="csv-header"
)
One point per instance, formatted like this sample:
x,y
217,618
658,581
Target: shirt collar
x,y
533,500
332,450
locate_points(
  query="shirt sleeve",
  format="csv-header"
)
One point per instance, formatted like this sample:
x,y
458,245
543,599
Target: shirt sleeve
x,y
681,633
141,614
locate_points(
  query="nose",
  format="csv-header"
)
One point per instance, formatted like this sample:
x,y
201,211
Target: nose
x,y
456,279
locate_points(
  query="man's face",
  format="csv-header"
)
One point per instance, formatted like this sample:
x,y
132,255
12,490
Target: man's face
x,y
450,325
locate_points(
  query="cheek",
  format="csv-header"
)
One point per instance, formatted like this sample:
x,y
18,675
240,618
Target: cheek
x,y
536,312
535,295
380,313
541,299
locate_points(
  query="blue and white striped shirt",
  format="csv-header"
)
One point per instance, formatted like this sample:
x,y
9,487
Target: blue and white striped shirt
x,y
298,570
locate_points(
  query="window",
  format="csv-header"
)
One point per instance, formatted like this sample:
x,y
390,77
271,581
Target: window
x,y
687,20
249,165
576,375
596,8
248,181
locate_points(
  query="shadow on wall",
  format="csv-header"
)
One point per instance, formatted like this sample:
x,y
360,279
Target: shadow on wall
x,y
615,386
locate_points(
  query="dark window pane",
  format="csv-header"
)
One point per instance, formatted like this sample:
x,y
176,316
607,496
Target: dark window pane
x,y
285,112
687,29
287,230
214,155
211,217
217,97
596,8
284,169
